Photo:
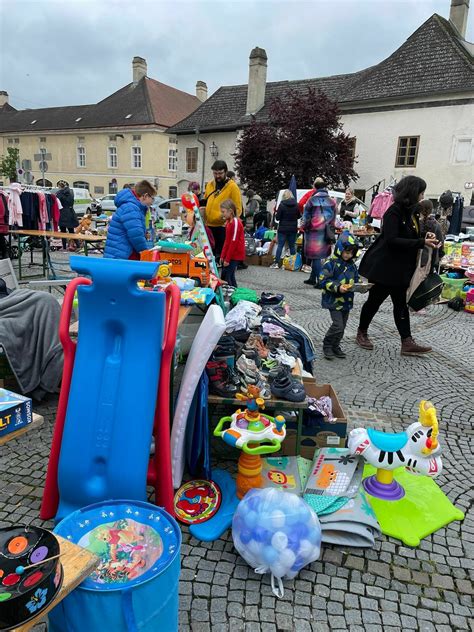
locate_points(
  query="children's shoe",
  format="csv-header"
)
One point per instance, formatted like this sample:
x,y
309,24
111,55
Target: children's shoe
x,y
328,354
284,387
339,353
219,379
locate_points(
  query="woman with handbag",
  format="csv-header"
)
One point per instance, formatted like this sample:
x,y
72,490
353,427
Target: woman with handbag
x,y
390,263
319,229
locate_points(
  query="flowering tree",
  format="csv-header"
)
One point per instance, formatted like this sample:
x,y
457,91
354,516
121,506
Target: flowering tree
x,y
302,136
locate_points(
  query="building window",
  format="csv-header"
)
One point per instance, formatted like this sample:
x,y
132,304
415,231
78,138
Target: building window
x,y
99,190
112,157
191,159
173,192
80,184
13,141
463,151
42,139
81,139
112,138
136,157
137,137
407,151
81,156
172,158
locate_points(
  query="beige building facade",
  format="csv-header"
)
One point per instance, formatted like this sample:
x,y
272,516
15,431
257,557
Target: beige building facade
x,y
102,147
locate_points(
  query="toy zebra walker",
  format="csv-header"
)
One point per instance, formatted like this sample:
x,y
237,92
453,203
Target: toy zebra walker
x,y
417,449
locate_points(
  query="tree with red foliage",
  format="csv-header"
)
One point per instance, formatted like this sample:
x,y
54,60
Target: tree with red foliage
x,y
303,136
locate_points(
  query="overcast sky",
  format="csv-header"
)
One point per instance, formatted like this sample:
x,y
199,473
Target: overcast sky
x,y
70,52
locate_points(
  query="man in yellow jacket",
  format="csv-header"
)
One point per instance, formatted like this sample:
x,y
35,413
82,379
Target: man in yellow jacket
x,y
220,188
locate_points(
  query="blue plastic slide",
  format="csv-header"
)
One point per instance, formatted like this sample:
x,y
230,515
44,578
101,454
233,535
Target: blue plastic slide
x,y
109,419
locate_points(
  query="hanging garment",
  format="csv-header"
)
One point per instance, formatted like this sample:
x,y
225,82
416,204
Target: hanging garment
x,y
56,211
43,211
3,214
14,204
30,206
456,216
381,203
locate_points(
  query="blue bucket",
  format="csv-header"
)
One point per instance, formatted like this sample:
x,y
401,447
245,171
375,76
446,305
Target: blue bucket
x,y
135,587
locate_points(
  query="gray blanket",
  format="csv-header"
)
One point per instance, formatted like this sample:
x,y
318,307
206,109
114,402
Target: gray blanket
x,y
29,324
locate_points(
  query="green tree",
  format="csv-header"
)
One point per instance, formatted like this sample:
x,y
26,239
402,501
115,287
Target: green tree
x,y
8,163
302,136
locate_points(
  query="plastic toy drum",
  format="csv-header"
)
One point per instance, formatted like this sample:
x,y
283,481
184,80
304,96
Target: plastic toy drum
x,y
135,586
25,592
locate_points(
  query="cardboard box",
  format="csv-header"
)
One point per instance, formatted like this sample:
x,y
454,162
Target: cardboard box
x,y
267,260
176,208
15,412
325,434
252,260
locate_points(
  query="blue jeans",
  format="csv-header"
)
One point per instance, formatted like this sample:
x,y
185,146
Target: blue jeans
x,y
316,267
282,238
228,273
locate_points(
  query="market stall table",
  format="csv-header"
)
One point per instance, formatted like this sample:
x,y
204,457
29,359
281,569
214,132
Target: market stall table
x,y
37,422
270,404
47,264
77,564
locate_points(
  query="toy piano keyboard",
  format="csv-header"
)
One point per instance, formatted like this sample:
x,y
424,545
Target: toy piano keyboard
x,y
29,578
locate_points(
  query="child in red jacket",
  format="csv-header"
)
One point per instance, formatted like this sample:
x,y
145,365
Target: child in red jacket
x,y
233,251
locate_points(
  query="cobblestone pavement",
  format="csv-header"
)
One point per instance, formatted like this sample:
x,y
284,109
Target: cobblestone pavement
x,y
389,588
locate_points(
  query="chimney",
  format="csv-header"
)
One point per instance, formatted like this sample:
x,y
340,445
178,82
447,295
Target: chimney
x,y
3,98
257,80
201,91
139,69
458,15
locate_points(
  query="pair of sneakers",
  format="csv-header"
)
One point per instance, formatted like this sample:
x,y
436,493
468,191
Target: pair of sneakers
x,y
284,386
250,374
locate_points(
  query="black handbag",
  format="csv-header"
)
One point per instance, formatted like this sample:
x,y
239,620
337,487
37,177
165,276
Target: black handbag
x,y
427,292
330,234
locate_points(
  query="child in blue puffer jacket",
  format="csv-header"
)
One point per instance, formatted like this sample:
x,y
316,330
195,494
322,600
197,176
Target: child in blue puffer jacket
x,y
126,233
338,275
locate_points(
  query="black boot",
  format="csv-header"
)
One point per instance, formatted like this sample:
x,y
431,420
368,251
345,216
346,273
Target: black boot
x,y
310,281
219,379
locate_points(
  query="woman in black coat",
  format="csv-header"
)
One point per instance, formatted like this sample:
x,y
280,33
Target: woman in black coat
x,y
67,216
287,215
391,261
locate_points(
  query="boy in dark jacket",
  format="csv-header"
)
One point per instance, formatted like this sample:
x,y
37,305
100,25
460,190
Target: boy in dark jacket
x,y
126,234
338,275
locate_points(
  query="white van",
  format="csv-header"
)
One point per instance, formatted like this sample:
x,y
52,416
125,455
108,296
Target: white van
x,y
82,200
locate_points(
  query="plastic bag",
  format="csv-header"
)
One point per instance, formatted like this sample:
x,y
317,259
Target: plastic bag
x,y
276,532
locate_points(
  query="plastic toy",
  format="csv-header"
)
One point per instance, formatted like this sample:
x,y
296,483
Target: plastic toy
x,y
255,434
469,305
276,532
122,328
417,449
211,329
197,501
182,263
30,571
135,585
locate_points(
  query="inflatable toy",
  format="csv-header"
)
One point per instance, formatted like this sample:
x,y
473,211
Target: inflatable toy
x,y
30,573
255,434
135,586
417,449
276,532
211,329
